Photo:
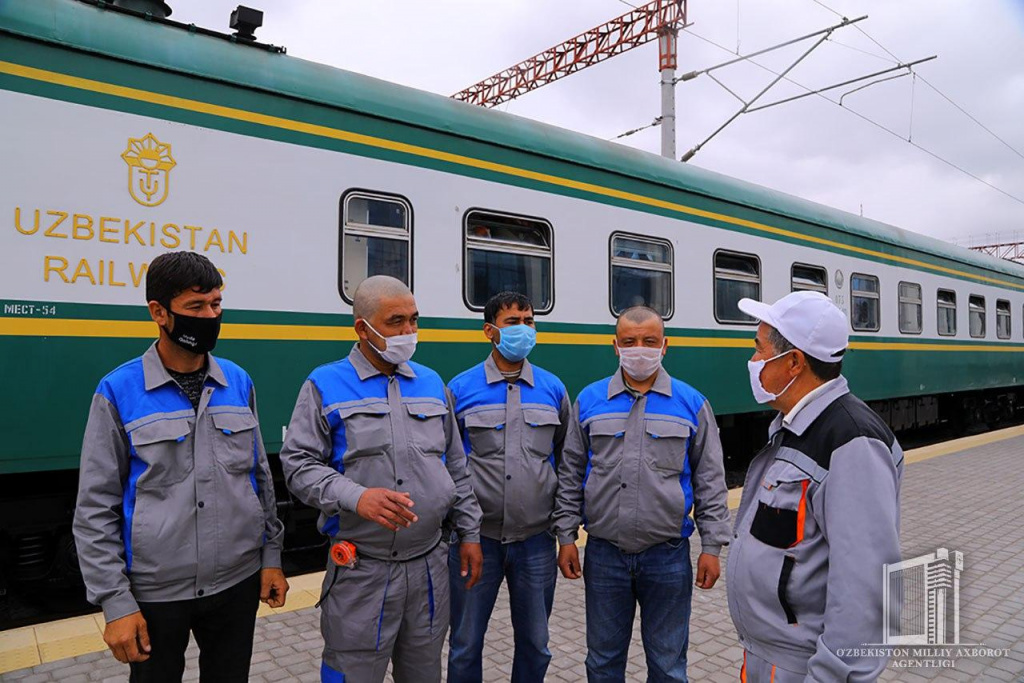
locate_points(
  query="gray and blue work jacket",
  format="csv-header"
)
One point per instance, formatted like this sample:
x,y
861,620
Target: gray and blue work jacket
x,y
513,434
174,502
818,518
633,468
355,428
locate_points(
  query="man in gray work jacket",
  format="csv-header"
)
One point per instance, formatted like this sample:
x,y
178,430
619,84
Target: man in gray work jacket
x,y
176,525
373,445
513,418
820,509
642,452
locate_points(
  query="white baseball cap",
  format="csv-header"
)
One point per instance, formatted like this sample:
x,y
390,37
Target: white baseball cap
x,y
809,320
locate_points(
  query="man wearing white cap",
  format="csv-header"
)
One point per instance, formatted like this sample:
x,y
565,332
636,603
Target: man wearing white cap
x,y
820,509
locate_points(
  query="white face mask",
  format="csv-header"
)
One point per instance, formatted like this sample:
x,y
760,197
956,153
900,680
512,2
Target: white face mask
x,y
762,395
639,362
398,349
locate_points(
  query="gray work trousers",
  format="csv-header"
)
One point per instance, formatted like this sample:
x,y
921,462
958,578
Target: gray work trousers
x,y
758,670
378,612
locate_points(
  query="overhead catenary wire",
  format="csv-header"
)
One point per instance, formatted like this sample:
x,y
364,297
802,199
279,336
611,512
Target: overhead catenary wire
x,y
938,92
865,118
863,52
913,88
747,104
792,41
908,66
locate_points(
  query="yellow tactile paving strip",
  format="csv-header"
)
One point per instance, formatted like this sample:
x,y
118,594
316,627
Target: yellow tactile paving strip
x,y
32,645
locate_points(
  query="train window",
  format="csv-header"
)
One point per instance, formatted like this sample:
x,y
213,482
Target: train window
x,y
508,253
737,276
376,235
947,313
910,308
641,274
809,278
976,315
864,299
1002,319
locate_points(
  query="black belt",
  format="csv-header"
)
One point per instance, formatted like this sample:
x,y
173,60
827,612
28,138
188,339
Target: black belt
x,y
408,559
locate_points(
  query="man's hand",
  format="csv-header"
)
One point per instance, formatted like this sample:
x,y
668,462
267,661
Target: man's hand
x,y
708,571
569,561
128,638
388,508
273,586
472,559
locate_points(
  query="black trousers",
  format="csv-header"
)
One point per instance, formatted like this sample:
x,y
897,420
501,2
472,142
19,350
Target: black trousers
x,y
223,625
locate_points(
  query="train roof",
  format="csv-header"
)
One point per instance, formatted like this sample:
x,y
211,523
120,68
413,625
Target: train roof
x,y
93,27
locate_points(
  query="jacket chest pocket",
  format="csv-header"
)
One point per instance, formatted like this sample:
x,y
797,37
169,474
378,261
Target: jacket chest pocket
x,y
166,448
781,506
367,429
539,426
235,441
665,445
606,438
426,427
486,429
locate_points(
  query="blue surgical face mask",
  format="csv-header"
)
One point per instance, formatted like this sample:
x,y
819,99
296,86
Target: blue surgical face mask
x,y
516,342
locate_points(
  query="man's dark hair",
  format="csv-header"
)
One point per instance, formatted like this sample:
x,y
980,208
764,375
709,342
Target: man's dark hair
x,y
506,300
822,370
175,272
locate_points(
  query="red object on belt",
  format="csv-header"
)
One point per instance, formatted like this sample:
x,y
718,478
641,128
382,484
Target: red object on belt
x,y
343,554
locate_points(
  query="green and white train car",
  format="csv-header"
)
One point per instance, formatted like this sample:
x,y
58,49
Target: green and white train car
x,y
124,136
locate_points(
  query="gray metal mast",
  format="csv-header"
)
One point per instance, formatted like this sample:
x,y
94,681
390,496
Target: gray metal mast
x,y
668,39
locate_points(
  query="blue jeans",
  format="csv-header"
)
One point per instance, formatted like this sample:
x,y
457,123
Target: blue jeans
x,y
530,568
660,579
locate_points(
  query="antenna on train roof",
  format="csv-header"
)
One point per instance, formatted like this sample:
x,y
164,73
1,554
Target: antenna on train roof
x,y
245,21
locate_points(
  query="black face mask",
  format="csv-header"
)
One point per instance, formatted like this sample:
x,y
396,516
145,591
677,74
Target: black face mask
x,y
195,334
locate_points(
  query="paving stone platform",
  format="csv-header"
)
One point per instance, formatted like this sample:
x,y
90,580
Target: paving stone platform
x,y
966,496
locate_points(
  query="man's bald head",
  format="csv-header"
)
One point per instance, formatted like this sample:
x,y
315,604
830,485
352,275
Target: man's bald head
x,y
374,291
640,326
639,315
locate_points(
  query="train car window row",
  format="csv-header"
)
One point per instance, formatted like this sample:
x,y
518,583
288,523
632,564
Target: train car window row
x,y
808,278
641,273
376,239
511,252
976,316
911,308
504,252
946,313
737,276
1002,319
865,303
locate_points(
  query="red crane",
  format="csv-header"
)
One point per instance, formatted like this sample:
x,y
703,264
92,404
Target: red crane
x,y
1009,251
635,28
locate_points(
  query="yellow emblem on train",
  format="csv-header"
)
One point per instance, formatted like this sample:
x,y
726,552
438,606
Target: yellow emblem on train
x,y
149,169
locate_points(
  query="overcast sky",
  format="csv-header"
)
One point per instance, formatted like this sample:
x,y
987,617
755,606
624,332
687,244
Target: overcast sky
x,y
810,148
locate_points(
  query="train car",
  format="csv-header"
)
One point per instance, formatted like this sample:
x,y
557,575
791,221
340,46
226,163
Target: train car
x,y
125,135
